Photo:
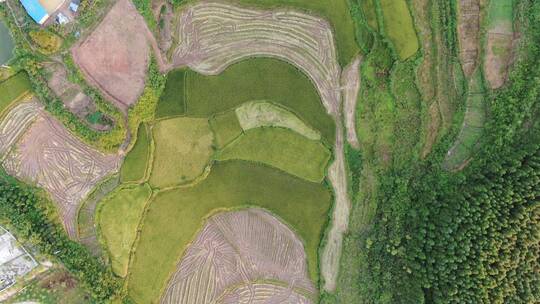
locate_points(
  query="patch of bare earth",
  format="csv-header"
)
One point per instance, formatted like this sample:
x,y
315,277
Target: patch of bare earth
x,y
16,122
50,157
468,34
245,256
114,58
350,81
499,43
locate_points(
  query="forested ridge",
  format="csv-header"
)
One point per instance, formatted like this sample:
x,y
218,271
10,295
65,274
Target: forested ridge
x,y
470,236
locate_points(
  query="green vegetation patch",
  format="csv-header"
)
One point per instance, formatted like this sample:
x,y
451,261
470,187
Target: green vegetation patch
x,y
263,114
283,149
172,100
259,79
225,127
119,217
183,147
399,27
370,13
335,11
136,161
175,216
12,89
500,11
46,41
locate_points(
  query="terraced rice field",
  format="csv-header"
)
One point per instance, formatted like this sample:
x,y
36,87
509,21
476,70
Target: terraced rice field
x,y
226,127
399,27
259,79
499,42
173,99
50,157
468,30
472,128
16,122
136,161
174,217
283,149
183,150
253,115
208,47
237,249
118,219
13,89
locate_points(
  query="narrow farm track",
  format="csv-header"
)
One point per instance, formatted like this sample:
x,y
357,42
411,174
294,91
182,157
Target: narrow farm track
x,y
50,157
468,30
236,249
350,84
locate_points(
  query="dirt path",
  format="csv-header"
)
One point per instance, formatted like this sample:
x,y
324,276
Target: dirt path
x,y
350,84
468,30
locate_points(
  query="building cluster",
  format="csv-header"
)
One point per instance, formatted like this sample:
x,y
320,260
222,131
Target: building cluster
x,y
41,11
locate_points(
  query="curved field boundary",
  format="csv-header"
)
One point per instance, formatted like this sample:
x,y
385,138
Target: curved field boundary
x,y
257,114
215,35
68,169
472,129
238,248
16,122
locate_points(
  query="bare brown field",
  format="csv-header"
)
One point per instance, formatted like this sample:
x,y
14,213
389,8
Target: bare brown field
x,y
350,82
55,160
500,40
213,35
15,123
240,248
114,58
469,34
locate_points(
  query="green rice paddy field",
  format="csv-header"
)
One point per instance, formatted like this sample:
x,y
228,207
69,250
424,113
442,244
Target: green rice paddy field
x,y
175,216
126,203
13,88
249,80
136,161
399,27
283,149
226,127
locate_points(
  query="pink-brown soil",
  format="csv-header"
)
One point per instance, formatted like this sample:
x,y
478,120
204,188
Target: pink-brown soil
x,y
241,248
114,58
50,157
500,40
350,82
468,34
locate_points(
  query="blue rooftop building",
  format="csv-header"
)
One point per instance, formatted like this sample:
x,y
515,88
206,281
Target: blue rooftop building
x,y
35,10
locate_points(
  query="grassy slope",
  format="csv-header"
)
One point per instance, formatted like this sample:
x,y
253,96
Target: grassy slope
x,y
183,149
175,216
283,149
119,217
399,27
225,127
335,11
135,164
12,89
500,11
368,8
259,79
172,100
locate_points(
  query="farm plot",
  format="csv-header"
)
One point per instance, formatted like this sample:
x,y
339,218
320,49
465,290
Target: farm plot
x,y
15,123
282,149
174,217
259,79
118,218
214,35
399,27
499,42
50,157
226,127
468,30
136,161
13,89
253,115
115,56
472,128
350,82
183,150
240,248
172,100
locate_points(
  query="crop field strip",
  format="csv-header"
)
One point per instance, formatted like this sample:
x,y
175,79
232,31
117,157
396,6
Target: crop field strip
x,y
239,248
468,30
15,123
399,27
230,184
128,203
350,80
52,158
172,101
283,149
136,161
226,127
499,42
13,89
